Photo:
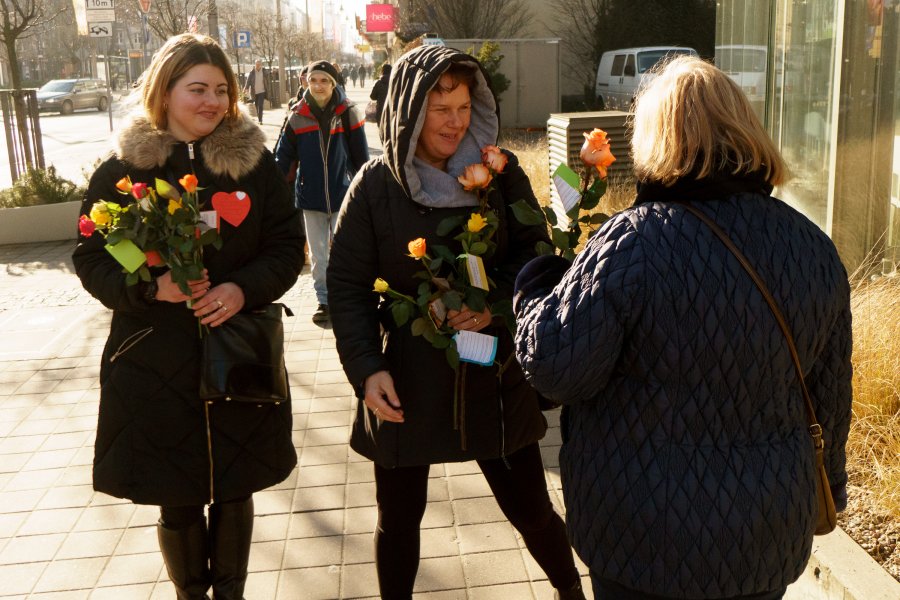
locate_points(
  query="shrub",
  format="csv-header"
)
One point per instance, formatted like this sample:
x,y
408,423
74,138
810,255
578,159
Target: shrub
x,y
40,186
489,56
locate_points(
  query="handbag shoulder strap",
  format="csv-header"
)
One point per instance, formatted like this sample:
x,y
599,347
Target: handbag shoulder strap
x,y
814,428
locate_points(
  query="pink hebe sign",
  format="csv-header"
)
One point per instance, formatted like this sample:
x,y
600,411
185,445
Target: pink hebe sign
x,y
379,18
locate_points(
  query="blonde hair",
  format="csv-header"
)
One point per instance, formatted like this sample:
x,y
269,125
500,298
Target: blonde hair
x,y
693,119
175,58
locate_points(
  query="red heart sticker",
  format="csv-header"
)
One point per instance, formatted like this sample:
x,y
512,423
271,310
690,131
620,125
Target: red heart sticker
x,y
232,207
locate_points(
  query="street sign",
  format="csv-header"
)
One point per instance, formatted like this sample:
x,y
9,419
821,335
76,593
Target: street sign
x,y
99,4
100,30
241,39
145,5
101,15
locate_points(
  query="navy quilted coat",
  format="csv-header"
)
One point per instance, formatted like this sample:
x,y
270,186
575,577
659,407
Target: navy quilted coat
x,y
157,443
686,464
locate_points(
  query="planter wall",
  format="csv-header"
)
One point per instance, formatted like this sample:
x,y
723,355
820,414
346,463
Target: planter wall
x,y
44,223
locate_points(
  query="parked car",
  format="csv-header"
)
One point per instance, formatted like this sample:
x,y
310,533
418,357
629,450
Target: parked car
x,y
621,73
66,95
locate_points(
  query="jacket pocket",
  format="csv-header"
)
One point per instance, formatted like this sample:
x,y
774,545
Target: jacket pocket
x,y
130,342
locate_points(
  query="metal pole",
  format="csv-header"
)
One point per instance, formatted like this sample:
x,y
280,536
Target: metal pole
x,y
143,42
108,78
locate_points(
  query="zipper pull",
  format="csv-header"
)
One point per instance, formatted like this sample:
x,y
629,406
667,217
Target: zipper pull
x,y
190,146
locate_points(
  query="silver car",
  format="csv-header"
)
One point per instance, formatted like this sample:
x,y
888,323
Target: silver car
x,y
66,95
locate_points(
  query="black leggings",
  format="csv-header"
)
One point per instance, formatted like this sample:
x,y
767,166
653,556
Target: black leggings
x,y
182,517
521,492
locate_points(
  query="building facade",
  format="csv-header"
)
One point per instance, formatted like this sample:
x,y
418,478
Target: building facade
x,y
827,76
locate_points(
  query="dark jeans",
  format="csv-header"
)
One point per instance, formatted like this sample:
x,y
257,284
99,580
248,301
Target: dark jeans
x,y
521,492
260,101
604,589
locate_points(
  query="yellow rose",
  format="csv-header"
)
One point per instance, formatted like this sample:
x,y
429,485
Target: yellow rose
x,y
417,248
595,152
475,177
476,223
381,286
100,214
174,205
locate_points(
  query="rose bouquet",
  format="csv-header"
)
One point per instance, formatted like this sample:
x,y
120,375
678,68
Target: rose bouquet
x,y
158,227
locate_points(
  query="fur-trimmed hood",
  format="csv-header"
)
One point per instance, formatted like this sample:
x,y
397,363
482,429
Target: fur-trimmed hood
x,y
233,149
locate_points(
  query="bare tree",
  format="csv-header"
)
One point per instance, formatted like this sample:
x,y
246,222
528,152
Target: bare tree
x,y
263,35
472,18
170,17
20,19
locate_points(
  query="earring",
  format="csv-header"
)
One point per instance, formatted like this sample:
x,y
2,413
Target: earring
x,y
165,106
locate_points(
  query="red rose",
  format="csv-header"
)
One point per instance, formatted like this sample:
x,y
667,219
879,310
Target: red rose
x,y
86,227
154,259
139,190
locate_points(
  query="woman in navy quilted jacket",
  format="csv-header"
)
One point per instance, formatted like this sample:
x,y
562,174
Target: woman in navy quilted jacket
x,y
687,467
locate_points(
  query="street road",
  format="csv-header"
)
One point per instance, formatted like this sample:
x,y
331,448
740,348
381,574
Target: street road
x,y
73,143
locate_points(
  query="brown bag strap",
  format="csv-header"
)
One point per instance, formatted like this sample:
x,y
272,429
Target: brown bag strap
x,y
815,430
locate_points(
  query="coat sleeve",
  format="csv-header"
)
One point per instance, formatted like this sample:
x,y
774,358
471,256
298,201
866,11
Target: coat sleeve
x,y
286,149
829,383
279,257
359,146
352,270
100,274
569,340
515,186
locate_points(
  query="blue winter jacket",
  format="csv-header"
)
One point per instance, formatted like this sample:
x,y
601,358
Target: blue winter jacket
x,y
686,465
301,150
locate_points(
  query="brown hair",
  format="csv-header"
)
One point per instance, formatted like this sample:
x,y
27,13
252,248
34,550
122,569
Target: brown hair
x,y
176,57
460,74
693,119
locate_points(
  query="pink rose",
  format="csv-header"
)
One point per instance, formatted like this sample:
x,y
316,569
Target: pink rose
x,y
475,177
139,190
494,159
86,227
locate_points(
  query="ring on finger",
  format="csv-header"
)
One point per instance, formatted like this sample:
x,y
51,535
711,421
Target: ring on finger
x,y
376,411
475,319
219,302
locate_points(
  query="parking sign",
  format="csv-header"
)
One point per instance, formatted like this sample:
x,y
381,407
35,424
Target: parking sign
x,y
241,39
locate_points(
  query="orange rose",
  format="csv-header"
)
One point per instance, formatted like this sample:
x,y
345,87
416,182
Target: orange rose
x,y
493,158
476,177
189,183
124,184
595,152
417,248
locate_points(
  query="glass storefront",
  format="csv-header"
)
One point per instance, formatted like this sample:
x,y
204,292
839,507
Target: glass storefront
x,y
829,71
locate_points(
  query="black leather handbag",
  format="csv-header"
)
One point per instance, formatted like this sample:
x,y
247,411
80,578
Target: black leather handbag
x,y
243,358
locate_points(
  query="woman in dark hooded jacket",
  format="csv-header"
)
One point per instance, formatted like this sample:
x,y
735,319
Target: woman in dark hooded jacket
x,y
157,442
688,466
439,115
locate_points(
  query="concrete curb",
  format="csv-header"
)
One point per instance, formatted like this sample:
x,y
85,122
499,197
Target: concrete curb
x,y
42,223
840,569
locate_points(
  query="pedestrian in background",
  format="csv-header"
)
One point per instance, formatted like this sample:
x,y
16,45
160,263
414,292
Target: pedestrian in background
x,y
440,115
257,84
379,94
339,72
157,442
687,464
354,74
362,76
322,145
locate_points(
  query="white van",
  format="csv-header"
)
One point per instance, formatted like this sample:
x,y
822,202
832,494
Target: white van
x,y
746,65
622,72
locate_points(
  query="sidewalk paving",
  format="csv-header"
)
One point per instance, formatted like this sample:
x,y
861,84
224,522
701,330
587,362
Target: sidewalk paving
x,y
313,537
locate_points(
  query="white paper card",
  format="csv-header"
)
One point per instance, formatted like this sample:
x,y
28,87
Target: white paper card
x,y
477,274
566,181
210,217
476,348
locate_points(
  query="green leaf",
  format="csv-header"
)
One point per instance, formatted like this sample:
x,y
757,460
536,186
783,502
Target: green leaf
x,y
452,300
525,214
597,218
543,249
115,237
132,278
441,341
420,326
436,265
569,254
551,216
449,224
452,356
560,239
478,248
424,288
144,273
401,312
476,299
444,253
208,237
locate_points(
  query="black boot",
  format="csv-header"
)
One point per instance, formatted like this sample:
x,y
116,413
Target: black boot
x,y
230,530
185,554
573,593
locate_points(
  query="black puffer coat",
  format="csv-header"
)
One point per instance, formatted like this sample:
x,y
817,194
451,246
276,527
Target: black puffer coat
x,y
686,464
152,445
379,218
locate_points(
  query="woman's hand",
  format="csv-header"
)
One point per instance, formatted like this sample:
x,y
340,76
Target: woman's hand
x,y
469,320
219,303
381,398
168,290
